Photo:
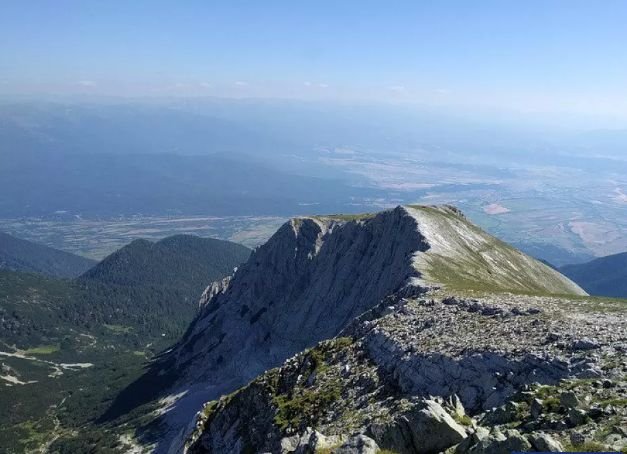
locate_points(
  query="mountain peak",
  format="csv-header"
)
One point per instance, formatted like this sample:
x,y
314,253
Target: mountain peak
x,y
189,260
317,273
455,253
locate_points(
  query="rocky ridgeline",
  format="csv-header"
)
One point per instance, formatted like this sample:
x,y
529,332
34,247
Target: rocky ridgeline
x,y
440,374
315,276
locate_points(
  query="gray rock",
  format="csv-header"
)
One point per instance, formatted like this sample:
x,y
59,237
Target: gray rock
x,y
360,444
568,399
498,443
543,442
503,414
576,417
427,428
307,442
584,344
577,438
592,372
536,408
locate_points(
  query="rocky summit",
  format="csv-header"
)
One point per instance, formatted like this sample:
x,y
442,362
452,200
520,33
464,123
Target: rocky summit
x,y
363,278
440,374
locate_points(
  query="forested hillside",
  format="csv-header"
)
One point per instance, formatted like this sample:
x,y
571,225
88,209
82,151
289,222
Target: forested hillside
x,y
180,261
68,346
21,255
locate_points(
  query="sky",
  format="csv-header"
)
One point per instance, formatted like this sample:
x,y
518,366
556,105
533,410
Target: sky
x,y
528,56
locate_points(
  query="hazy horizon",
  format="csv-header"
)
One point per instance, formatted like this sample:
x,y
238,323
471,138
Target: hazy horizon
x,y
562,61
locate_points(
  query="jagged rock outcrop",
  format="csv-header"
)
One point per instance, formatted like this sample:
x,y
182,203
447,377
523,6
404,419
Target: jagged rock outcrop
x,y
396,373
316,274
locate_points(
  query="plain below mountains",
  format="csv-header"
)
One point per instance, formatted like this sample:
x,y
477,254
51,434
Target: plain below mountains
x,y
81,340
21,255
605,276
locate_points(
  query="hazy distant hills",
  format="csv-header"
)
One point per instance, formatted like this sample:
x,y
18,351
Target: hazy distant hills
x,y
605,276
123,128
553,255
21,255
113,184
108,159
180,261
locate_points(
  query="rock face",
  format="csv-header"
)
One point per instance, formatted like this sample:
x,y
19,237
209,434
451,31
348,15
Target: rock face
x,y
315,275
435,374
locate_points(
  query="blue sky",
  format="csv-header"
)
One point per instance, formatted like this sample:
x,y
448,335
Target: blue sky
x,y
544,56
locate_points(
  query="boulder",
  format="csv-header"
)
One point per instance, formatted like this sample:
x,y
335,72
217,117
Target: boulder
x,y
536,408
497,443
543,442
359,444
576,417
568,399
577,438
307,442
502,415
424,429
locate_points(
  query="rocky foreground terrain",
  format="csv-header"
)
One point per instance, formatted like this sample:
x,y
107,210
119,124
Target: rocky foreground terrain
x,y
418,333
441,373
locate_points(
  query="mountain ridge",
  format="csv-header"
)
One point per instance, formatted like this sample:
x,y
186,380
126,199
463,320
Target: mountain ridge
x,y
22,255
312,278
179,260
603,276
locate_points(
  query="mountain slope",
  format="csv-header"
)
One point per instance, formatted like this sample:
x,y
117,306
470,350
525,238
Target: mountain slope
x,y
182,261
422,375
21,255
313,277
80,341
462,256
605,276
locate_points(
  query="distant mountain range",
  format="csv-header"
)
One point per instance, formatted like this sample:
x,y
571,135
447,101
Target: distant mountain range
x,y
137,158
112,184
21,255
605,276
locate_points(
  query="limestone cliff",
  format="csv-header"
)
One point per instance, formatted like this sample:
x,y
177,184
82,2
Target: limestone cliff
x,y
315,275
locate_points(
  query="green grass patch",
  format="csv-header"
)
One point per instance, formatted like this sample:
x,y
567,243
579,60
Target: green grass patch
x,y
616,402
588,446
42,350
306,404
118,329
464,420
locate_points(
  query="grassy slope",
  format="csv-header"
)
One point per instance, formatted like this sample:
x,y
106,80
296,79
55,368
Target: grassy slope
x,y
462,256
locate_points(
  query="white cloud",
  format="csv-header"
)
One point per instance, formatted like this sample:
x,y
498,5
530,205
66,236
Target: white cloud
x,y
442,91
241,83
312,84
396,88
204,85
86,83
